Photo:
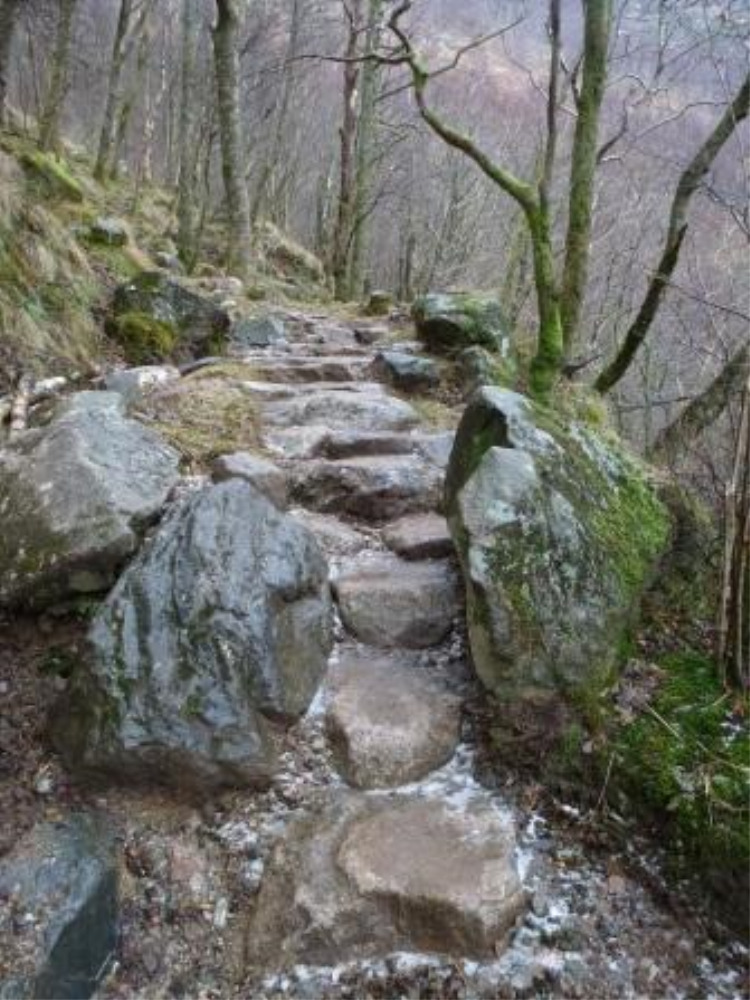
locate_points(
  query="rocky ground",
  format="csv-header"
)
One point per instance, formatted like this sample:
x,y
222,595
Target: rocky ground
x,y
376,863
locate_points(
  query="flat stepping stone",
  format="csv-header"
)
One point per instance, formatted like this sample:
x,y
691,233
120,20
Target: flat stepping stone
x,y
364,876
405,371
390,603
374,488
334,536
342,410
389,724
326,369
355,444
419,536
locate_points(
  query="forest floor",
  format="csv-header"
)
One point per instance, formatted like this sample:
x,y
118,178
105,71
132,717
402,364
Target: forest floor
x,y
601,922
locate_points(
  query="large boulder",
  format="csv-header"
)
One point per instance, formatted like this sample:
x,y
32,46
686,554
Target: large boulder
x,y
406,371
449,323
261,331
216,633
75,498
197,322
58,910
364,876
559,532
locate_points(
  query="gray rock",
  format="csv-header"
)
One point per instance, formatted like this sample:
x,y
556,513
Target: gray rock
x,y
109,231
75,498
389,724
334,536
266,477
559,532
135,383
451,322
406,372
375,488
218,632
365,876
169,261
263,331
197,321
419,536
388,602
435,448
370,334
58,912
342,410
478,367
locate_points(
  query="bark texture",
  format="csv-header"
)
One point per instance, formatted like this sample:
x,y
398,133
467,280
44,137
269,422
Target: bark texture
x,y
49,123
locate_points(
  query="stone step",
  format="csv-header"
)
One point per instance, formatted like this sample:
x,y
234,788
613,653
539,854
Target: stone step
x,y
388,602
375,488
419,536
364,876
388,721
297,369
342,410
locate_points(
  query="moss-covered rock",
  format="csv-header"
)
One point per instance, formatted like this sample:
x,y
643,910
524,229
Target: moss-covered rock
x,y
199,323
143,338
559,532
51,177
449,323
682,765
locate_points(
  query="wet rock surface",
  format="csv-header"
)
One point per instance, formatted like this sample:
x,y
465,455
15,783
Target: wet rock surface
x,y
75,499
58,910
217,633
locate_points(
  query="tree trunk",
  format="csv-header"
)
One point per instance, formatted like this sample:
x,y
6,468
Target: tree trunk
x,y
267,190
342,235
145,38
705,409
8,17
228,103
187,191
117,63
49,125
366,136
548,359
598,21
689,182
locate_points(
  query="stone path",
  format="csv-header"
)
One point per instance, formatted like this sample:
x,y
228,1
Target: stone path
x,y
376,864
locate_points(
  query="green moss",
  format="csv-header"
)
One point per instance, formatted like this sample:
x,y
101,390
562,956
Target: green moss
x,y
51,176
143,338
685,764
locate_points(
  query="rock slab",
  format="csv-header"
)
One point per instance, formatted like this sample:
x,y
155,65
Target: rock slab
x,y
388,602
265,476
368,875
215,635
75,498
388,722
419,536
58,911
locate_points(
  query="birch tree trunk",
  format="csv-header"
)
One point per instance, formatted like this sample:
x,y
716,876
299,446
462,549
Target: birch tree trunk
x,y
228,105
57,87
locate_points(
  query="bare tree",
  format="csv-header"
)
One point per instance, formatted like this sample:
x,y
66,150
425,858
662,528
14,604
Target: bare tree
x,y
226,58
57,86
9,10
187,190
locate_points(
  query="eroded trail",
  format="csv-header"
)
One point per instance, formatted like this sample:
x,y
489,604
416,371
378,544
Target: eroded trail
x,y
377,864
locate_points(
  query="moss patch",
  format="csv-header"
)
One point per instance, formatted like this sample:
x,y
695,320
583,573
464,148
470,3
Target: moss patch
x,y
143,338
684,765
204,419
51,176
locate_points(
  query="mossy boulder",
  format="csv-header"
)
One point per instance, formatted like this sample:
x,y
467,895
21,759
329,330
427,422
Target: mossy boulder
x,y
559,533
51,176
143,338
199,324
449,323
